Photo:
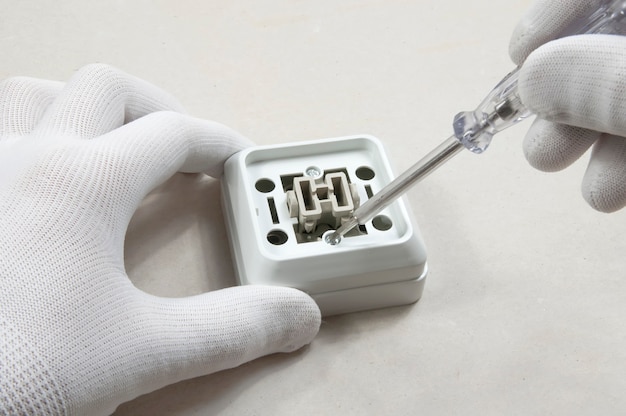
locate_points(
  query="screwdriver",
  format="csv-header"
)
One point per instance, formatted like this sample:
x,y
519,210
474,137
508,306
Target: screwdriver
x,y
473,130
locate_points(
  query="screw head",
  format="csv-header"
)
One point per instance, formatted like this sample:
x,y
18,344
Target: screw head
x,y
331,238
314,172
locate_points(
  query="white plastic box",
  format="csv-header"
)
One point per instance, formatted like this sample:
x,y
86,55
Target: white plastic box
x,y
382,264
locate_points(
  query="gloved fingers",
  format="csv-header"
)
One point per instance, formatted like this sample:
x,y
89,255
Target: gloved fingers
x,y
143,154
551,147
23,101
219,330
604,183
546,20
100,98
579,81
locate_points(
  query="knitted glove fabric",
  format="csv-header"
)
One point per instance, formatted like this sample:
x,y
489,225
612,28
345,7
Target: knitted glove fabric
x,y
76,337
576,85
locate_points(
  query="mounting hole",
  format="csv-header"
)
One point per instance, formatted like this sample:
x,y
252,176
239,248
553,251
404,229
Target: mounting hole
x,y
277,237
264,185
365,173
382,222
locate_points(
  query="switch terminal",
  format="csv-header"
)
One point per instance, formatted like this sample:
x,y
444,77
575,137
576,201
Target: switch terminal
x,y
329,202
280,199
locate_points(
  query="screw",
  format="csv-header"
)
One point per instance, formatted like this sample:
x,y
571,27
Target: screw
x,y
313,172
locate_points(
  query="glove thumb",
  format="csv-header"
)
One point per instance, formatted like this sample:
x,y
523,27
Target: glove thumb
x,y
160,341
215,331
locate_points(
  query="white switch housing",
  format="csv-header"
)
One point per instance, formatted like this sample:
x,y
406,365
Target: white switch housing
x,y
379,264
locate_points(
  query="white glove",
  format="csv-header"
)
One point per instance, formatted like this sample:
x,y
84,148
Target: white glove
x,y
577,87
76,337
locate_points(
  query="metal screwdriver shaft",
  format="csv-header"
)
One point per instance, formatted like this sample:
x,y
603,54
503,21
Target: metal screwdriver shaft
x,y
397,187
474,130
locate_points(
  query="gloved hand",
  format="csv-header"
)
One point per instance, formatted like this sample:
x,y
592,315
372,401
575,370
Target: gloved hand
x,y
76,337
577,87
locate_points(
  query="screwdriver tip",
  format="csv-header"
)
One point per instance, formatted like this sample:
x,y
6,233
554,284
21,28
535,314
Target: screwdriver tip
x,y
332,237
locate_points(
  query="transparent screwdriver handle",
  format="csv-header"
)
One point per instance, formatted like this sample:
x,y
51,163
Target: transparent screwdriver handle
x,y
474,129
503,108
500,109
